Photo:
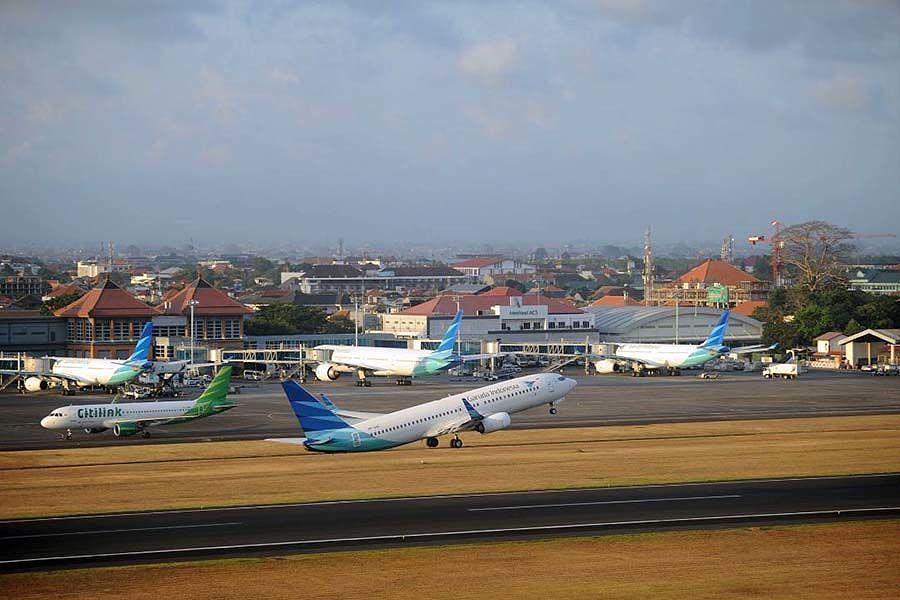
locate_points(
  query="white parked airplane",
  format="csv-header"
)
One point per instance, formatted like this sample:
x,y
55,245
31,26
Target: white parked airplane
x,y
401,363
82,372
485,409
673,357
135,417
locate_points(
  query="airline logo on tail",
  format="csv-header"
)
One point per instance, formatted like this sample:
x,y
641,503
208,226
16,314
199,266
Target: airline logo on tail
x,y
142,348
313,415
445,349
716,339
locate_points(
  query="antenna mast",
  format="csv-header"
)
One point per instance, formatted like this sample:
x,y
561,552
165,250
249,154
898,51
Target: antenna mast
x,y
648,268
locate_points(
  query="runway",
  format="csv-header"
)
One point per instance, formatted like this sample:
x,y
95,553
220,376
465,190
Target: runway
x,y
598,400
155,536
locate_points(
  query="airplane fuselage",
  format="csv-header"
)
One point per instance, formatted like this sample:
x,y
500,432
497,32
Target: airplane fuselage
x,y
96,371
388,362
670,355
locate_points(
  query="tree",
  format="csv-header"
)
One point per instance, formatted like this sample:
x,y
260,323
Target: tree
x,y
815,254
53,304
288,319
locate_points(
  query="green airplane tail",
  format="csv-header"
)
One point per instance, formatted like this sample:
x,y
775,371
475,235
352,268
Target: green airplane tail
x,y
215,393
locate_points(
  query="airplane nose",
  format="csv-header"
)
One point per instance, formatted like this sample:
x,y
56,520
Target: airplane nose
x,y
45,422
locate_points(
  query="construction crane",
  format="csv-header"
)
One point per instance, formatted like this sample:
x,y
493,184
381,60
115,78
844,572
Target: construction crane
x,y
777,244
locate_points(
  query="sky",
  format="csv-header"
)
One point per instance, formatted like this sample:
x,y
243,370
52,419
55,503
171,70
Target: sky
x,y
444,122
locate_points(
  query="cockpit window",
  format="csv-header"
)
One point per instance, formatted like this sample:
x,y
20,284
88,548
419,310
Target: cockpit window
x,y
561,378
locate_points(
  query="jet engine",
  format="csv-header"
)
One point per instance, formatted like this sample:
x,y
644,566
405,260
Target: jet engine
x,y
493,422
607,365
124,429
327,372
34,384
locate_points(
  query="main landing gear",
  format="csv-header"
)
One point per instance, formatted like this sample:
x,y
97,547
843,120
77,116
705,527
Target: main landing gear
x,y
456,443
362,380
432,442
404,381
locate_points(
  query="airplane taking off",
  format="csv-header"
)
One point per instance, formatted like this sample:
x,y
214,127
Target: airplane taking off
x,y
82,372
673,357
485,409
135,417
403,364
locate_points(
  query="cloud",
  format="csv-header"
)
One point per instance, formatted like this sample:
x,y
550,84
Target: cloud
x,y
845,92
489,60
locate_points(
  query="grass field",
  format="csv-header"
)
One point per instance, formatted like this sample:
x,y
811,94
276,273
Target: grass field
x,y
125,478
849,560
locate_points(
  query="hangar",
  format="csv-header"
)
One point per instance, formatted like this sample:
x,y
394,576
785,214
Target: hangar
x,y
659,324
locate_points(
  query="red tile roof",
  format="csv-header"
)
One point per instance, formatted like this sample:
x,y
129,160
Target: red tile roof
x,y
62,289
210,301
106,300
716,271
746,308
616,301
503,291
481,304
478,263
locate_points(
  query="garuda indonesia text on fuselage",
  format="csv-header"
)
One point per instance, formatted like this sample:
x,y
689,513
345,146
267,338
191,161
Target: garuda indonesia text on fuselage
x,y
135,417
83,372
401,363
486,409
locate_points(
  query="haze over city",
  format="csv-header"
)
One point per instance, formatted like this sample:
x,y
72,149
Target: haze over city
x,y
446,121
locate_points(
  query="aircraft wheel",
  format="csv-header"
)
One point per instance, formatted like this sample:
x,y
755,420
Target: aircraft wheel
x,y
367,383
145,434
432,442
456,443
553,410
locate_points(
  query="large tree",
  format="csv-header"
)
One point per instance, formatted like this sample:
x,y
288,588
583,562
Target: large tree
x,y
815,254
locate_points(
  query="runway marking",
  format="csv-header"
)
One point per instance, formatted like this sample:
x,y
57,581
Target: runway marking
x,y
446,497
93,531
569,504
402,537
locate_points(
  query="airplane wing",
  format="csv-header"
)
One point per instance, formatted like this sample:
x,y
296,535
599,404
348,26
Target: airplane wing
x,y
462,425
49,375
751,349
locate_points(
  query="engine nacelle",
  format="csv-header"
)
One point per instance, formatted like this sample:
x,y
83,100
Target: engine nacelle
x,y
493,422
125,429
607,365
327,372
35,384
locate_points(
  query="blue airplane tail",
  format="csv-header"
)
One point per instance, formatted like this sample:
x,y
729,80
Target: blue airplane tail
x,y
717,335
312,414
142,348
445,349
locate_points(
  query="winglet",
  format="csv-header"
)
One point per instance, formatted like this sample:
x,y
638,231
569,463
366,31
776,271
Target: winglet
x,y
473,414
311,413
142,348
717,335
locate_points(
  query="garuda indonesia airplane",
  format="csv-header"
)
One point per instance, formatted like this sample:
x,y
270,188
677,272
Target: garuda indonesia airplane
x,y
135,417
485,409
401,363
673,357
83,372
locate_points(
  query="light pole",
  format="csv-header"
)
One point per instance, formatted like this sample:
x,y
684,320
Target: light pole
x,y
192,303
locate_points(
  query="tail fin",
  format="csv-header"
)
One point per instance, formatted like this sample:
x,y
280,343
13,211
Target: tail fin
x,y
445,349
215,393
717,335
312,414
142,348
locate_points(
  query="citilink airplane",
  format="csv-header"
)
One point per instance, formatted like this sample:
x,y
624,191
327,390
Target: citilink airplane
x,y
135,417
486,409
